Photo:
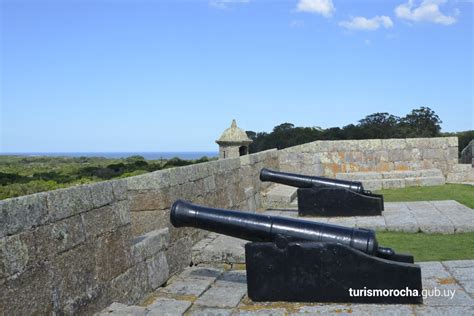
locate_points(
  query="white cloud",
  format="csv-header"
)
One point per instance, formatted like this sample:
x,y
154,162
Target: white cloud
x,y
323,7
427,11
365,24
224,4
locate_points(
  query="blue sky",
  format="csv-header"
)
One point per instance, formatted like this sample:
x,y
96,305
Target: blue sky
x,y
162,75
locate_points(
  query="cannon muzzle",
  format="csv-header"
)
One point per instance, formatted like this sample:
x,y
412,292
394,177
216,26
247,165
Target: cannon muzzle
x,y
258,227
302,181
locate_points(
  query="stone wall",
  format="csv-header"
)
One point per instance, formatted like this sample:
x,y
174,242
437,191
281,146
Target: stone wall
x,y
328,158
65,251
227,183
467,154
76,250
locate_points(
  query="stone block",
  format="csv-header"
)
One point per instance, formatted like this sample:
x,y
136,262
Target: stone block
x,y
168,307
433,153
150,200
429,181
384,166
150,181
349,221
119,189
221,297
371,222
149,244
118,309
74,273
31,293
279,195
60,236
112,255
452,153
399,174
223,249
393,183
178,254
431,173
413,182
146,221
99,221
444,310
429,219
122,212
400,221
88,303
395,154
18,253
419,143
372,185
102,193
158,270
394,143
21,213
437,142
211,311
452,141
401,165
132,285
68,202
370,144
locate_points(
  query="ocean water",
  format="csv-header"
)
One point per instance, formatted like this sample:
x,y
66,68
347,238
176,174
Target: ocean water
x,y
147,155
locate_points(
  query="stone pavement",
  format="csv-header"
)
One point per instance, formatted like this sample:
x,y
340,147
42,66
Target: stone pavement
x,y
214,290
445,217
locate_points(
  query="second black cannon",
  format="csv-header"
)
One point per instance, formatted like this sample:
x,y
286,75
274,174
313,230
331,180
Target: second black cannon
x,y
320,196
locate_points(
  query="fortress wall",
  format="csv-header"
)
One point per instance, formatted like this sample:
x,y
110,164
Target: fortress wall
x,y
60,251
76,250
327,158
228,183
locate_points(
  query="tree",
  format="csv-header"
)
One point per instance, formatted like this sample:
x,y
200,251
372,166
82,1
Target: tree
x,y
283,127
422,122
380,125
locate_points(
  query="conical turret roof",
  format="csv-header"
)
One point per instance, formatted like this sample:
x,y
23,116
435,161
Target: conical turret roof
x,y
234,135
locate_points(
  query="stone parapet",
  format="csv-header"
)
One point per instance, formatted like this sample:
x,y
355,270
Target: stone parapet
x,y
327,158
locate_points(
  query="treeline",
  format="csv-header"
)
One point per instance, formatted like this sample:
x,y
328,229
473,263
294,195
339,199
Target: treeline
x,y
421,122
27,175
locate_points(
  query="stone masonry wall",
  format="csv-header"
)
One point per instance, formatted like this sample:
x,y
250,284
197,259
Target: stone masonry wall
x,y
76,250
63,251
327,158
227,183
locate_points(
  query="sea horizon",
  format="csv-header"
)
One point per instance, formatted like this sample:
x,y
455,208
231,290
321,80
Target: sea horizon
x,y
124,154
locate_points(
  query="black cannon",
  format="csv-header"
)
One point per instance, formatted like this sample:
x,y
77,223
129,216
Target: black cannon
x,y
328,197
305,261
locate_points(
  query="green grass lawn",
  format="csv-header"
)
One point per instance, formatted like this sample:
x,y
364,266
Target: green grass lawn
x,y
460,192
431,247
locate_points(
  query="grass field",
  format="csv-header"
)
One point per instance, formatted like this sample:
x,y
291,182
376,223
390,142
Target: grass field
x,y
430,247
462,193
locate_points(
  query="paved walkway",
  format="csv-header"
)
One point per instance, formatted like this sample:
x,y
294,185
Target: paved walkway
x,y
425,216
210,290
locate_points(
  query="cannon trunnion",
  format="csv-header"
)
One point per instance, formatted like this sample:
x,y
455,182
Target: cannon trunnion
x,y
318,196
304,261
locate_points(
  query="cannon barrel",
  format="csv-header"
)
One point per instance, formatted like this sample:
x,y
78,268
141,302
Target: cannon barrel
x,y
302,181
258,227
